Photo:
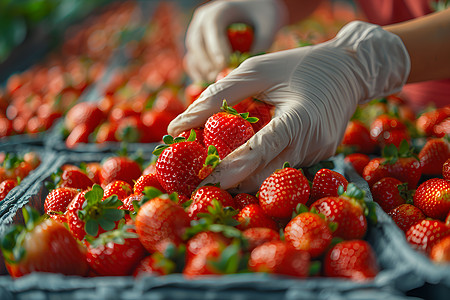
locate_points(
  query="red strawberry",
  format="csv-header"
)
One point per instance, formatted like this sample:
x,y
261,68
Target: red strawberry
x,y
115,253
79,134
252,216
358,160
243,199
375,170
446,170
87,113
386,130
56,202
183,164
357,138
433,156
347,210
259,235
326,183
309,232
353,259
6,186
257,109
240,36
279,257
193,91
440,252
75,178
156,123
433,198
92,170
128,201
145,181
203,197
119,188
427,121
106,133
443,128
281,192
154,265
198,135
132,130
424,235
160,222
119,168
45,246
228,130
389,193
406,215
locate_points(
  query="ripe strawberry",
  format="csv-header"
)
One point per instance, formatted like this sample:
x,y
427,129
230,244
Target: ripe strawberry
x,y
424,235
87,113
353,259
347,210
325,184
203,197
375,170
106,133
198,135
119,168
433,198
75,178
160,222
79,134
446,170
279,257
132,130
193,91
433,156
156,123
256,109
56,202
309,232
92,170
228,130
147,180
6,186
119,188
115,253
252,216
89,214
43,246
443,128
358,160
128,201
440,252
243,199
427,121
259,235
240,36
154,265
282,191
406,215
357,138
386,130
390,192
182,164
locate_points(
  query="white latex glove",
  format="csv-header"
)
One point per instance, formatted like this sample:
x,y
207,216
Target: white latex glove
x,y
208,48
315,91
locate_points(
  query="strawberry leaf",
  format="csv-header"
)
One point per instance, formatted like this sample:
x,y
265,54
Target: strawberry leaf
x,y
91,227
168,139
192,136
113,214
106,224
314,268
159,149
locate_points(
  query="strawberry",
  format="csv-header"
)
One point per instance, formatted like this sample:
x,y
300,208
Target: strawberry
x,y
386,130
347,211
75,178
88,211
433,198
252,216
182,164
154,265
443,128
282,191
79,134
198,135
243,199
278,257
92,170
240,36
375,170
257,109
406,215
132,130
353,259
325,184
425,234
119,188
6,128
358,160
119,168
159,222
106,133
309,232
433,156
357,138
42,245
259,235
87,113
147,180
193,91
228,130
202,198
56,202
6,186
440,252
446,170
156,123
427,121
115,253
128,201
390,192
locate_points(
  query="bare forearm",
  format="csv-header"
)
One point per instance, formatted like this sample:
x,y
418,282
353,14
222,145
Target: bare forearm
x,y
427,40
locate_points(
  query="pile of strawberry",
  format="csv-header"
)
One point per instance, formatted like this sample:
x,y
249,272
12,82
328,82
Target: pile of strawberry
x,y
14,168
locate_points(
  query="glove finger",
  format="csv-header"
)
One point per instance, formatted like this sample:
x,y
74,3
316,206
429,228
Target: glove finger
x,y
217,45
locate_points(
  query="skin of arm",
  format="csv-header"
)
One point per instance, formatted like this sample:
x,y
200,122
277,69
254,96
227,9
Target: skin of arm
x,y
427,40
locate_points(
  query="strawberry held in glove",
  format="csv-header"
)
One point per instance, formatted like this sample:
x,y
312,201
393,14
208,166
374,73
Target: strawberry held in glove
x,y
315,91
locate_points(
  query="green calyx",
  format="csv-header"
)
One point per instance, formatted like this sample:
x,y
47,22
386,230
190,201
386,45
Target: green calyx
x,y
11,161
100,213
358,195
391,153
231,260
231,110
117,236
169,140
151,193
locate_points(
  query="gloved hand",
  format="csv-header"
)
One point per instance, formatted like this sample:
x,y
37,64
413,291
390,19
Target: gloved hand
x,y
208,48
315,91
